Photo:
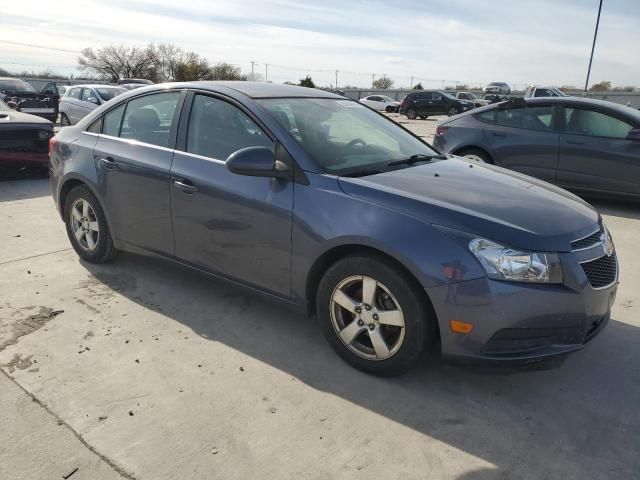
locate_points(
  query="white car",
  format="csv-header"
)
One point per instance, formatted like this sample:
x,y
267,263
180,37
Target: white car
x,y
381,103
79,100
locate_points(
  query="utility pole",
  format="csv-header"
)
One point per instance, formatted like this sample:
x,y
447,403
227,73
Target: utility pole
x,y
593,47
253,78
266,72
373,79
411,85
336,79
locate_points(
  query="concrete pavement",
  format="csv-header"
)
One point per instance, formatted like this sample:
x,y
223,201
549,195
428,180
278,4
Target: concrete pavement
x,y
165,373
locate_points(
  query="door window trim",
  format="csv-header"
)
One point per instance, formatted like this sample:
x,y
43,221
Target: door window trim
x,y
602,111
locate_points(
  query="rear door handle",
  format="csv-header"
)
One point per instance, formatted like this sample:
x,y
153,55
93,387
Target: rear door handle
x,y
495,134
108,163
185,185
574,142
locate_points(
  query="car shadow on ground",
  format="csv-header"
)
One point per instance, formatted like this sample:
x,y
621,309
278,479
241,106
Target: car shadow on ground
x,y
579,421
20,184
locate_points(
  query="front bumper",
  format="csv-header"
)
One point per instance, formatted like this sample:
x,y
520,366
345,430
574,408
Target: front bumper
x,y
518,324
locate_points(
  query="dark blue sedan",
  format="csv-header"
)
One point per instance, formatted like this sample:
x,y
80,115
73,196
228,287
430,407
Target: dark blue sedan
x,y
320,202
586,145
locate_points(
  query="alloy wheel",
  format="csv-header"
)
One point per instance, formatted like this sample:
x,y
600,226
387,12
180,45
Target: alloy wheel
x,y
453,111
411,114
84,224
367,318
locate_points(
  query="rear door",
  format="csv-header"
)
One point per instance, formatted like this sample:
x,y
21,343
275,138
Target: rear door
x,y
595,153
88,102
438,105
72,100
526,140
234,225
133,156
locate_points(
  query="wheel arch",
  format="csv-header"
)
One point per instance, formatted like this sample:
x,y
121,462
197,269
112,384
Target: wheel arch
x,y
460,151
336,253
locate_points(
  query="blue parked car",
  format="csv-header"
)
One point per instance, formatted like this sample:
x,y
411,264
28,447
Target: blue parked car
x,y
318,201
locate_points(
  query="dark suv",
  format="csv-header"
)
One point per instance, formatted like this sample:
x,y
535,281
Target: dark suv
x,y
432,102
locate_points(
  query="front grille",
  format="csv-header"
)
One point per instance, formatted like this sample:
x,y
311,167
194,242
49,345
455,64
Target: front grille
x,y
602,271
587,242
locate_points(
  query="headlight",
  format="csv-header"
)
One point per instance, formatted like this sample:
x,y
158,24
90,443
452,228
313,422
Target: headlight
x,y
503,263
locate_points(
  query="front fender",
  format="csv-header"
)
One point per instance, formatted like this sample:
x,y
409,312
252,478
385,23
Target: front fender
x,y
432,257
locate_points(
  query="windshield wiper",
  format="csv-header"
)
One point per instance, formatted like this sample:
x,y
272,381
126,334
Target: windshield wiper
x,y
415,159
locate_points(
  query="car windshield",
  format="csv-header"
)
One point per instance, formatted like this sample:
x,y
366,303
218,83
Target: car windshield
x,y
470,95
110,92
343,136
14,85
448,95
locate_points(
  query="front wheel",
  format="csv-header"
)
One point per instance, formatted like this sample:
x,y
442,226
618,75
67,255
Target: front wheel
x,y
374,315
412,114
423,117
453,111
87,226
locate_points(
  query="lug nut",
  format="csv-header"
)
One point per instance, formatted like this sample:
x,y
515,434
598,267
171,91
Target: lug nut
x,y
360,323
372,326
375,316
367,307
358,310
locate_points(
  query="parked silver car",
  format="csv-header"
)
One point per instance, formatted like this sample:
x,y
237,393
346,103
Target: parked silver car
x,y
80,100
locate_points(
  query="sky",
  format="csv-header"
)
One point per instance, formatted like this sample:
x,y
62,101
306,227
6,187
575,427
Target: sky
x,y
437,42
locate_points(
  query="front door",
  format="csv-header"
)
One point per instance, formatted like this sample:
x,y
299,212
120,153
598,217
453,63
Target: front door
x,y
526,140
133,156
596,155
234,225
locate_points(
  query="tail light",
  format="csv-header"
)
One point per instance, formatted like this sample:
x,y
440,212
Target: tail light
x,y
440,131
53,142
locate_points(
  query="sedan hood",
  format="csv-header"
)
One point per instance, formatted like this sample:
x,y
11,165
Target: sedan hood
x,y
491,202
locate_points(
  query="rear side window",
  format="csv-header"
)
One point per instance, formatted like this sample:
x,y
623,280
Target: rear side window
x,y
588,122
96,126
75,93
488,116
217,129
112,120
532,118
148,119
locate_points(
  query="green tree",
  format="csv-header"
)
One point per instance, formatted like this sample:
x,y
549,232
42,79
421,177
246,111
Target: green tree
x,y
307,82
418,86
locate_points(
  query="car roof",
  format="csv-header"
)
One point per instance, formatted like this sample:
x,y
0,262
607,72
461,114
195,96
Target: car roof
x,y
263,89
587,102
93,85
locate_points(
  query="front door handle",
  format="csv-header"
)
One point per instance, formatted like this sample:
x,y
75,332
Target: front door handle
x,y
495,134
108,163
185,185
574,142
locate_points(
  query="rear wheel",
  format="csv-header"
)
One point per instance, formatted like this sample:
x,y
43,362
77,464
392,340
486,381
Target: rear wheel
x,y
87,226
389,109
412,114
64,120
423,117
374,315
453,111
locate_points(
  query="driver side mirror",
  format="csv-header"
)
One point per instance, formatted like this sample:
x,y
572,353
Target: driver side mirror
x,y
93,100
634,134
257,162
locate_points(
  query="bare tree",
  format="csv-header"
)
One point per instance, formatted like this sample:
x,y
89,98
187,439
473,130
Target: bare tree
x,y
191,67
601,86
382,83
225,71
118,61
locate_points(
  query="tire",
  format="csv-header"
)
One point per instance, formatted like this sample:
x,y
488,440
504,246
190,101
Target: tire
x,y
475,155
64,120
412,114
423,117
95,245
453,111
389,109
362,327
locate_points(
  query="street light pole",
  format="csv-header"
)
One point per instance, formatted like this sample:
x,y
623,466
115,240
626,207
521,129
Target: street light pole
x,y
593,47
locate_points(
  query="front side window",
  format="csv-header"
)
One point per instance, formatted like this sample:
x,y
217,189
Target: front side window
x,y
532,118
343,136
87,93
588,122
217,129
148,119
